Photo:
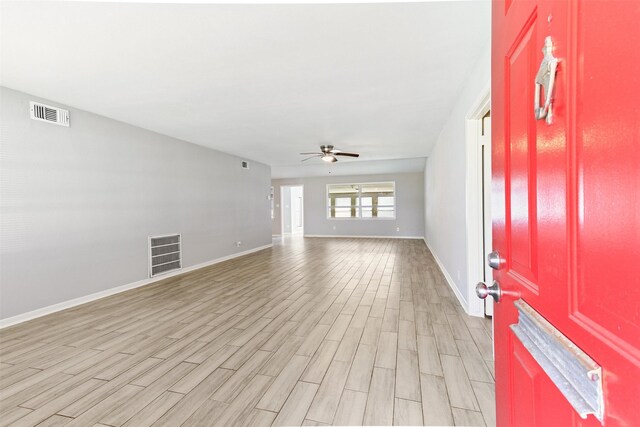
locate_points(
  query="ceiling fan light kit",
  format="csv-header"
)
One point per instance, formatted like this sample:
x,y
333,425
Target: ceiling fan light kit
x,y
328,154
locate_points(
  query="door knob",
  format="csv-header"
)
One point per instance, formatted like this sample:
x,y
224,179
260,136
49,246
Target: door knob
x,y
483,291
495,261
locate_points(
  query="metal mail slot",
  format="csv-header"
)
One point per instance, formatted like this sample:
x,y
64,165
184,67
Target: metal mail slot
x,y
576,375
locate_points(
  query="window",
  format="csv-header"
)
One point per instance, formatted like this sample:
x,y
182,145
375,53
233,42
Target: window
x,y
365,201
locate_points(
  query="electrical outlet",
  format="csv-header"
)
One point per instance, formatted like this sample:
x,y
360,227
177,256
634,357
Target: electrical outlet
x,y
334,227
397,228
238,243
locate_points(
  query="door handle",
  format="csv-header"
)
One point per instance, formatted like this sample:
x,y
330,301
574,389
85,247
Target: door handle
x,y
545,80
483,291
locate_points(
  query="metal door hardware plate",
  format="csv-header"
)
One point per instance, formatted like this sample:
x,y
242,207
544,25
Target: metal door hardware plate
x,y
545,80
576,375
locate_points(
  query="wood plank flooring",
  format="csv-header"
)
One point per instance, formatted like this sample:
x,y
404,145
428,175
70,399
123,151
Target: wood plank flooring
x,y
310,332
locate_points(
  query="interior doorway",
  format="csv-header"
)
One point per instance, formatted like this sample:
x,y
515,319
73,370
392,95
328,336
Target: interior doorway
x,y
292,205
478,201
485,203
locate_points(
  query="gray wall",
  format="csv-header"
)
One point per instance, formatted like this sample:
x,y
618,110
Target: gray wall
x,y
409,207
78,203
445,176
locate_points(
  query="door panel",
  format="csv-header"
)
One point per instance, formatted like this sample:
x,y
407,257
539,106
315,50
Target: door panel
x,y
608,158
604,298
566,201
520,132
535,391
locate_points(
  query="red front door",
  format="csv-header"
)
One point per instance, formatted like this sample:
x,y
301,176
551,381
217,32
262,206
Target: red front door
x,y
566,207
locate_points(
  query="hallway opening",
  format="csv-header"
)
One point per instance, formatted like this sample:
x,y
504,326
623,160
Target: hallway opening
x,y
292,205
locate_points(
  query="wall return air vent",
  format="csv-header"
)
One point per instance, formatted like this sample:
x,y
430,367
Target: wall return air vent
x,y
165,254
47,113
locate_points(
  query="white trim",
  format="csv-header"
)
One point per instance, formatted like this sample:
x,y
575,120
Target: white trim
x,y
363,237
473,184
282,187
482,104
10,321
449,280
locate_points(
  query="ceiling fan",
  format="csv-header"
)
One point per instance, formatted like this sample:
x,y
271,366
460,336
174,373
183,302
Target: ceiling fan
x,y
328,154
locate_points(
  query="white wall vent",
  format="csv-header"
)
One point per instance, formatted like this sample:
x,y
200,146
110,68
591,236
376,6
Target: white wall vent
x,y
165,254
47,113
245,164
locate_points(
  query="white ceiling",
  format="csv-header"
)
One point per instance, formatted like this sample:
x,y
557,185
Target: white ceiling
x,y
262,81
345,168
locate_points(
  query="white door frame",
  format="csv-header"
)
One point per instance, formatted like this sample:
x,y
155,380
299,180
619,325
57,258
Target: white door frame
x,y
473,189
282,206
293,219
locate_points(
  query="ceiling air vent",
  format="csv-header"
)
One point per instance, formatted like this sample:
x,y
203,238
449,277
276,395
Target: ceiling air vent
x,y
47,113
245,164
165,254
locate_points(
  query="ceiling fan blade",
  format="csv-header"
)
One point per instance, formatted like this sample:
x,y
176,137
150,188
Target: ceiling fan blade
x,y
316,155
344,153
313,153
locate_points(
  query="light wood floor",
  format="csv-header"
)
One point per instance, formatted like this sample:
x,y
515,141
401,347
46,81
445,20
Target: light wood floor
x,y
311,332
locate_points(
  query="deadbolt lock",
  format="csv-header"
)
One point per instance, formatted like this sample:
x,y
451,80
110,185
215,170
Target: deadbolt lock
x,y
495,261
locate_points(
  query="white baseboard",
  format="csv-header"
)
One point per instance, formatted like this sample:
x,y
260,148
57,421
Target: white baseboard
x,y
363,237
449,279
10,321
